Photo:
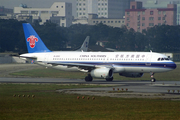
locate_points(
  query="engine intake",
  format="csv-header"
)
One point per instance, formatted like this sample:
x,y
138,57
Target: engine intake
x,y
131,74
102,73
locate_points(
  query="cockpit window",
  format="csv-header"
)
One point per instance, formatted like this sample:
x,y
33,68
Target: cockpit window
x,y
162,59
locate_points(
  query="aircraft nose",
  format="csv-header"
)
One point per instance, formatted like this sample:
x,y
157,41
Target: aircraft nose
x,y
173,66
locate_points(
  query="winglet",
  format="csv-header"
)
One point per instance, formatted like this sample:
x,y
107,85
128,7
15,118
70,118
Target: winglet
x,y
33,41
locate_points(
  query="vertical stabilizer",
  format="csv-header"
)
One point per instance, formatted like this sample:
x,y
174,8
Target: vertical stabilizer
x,y
33,41
85,44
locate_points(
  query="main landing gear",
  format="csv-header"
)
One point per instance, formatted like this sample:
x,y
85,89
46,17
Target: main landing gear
x,y
152,77
109,79
88,78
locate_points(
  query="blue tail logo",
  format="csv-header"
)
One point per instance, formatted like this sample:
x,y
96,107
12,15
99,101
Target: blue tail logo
x,y
33,41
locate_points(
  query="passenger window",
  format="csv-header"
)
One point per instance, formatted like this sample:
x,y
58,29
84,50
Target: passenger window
x,y
137,56
162,58
159,59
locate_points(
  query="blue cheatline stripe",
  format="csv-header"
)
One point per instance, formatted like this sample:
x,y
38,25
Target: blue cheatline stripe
x,y
170,65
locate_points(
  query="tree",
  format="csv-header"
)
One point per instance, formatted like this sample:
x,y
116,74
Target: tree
x,y
51,35
164,38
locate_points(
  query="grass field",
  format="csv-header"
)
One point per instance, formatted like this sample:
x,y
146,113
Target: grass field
x,y
172,75
50,105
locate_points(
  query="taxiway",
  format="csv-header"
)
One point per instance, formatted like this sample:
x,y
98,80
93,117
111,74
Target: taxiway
x,y
135,86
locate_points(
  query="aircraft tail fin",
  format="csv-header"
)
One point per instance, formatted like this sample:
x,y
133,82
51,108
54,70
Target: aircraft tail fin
x,y
33,41
85,44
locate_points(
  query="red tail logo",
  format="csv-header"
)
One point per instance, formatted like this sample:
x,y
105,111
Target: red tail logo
x,y
32,41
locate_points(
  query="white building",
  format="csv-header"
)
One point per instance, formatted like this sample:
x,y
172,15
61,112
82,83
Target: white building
x,y
94,20
103,8
114,22
59,12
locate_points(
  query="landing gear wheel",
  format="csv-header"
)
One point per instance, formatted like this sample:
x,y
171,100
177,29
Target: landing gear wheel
x,y
109,79
153,80
88,78
152,77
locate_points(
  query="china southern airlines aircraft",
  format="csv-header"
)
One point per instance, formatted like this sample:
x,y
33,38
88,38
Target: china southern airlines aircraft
x,y
96,64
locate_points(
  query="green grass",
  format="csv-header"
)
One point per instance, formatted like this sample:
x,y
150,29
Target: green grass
x,y
53,73
49,104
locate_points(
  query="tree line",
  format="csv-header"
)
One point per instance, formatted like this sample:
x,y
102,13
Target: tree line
x,y
162,38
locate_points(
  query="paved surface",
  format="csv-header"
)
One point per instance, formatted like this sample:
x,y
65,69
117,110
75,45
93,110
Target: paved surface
x,y
135,86
5,69
140,89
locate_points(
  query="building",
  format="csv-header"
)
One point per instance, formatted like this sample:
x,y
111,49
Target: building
x,y
93,20
140,18
157,3
6,13
59,12
80,21
103,8
178,14
162,4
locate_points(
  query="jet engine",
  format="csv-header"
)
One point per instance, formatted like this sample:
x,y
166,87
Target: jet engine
x,y
102,73
131,74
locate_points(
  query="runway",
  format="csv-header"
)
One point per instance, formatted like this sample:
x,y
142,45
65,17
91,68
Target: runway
x,y
135,86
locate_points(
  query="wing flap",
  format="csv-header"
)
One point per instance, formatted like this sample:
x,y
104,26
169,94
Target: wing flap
x,y
88,67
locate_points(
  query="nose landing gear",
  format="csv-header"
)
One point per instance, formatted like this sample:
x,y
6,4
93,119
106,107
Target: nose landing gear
x,y
152,77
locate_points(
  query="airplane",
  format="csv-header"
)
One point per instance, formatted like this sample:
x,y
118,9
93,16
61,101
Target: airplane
x,y
96,64
84,46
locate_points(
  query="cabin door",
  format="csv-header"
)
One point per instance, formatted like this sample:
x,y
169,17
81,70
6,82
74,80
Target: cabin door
x,y
107,60
46,57
148,59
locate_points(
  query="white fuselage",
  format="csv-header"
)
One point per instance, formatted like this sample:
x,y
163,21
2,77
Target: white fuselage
x,y
139,62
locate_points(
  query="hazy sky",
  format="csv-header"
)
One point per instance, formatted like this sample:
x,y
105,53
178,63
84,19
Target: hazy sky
x,y
34,3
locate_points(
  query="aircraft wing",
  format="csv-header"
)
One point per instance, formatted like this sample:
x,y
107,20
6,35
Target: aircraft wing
x,y
88,67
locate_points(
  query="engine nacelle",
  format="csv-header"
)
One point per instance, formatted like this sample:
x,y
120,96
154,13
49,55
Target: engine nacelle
x,y
102,73
131,74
